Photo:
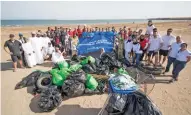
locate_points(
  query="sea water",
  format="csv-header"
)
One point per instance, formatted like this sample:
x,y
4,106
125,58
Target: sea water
x,y
65,22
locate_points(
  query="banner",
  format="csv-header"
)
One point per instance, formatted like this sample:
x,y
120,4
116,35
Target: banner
x,y
92,44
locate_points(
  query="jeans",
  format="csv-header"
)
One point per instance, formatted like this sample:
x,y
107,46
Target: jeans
x,y
137,58
170,61
178,66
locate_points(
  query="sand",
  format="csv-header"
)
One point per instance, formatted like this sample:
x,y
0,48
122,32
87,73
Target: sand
x,y
172,99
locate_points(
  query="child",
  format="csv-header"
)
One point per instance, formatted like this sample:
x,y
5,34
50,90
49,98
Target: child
x,y
137,52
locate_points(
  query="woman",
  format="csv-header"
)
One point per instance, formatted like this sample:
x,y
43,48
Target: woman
x,y
183,56
137,52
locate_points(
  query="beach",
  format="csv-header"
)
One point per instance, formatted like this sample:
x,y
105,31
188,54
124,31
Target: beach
x,y
172,99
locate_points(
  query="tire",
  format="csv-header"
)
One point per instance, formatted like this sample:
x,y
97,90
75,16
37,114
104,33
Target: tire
x,y
43,77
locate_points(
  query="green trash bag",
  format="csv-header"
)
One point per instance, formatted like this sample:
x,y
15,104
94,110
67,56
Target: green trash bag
x,y
75,67
91,82
57,79
63,64
63,73
54,71
84,62
91,59
122,71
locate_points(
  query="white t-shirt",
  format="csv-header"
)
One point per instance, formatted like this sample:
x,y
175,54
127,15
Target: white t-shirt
x,y
150,29
57,57
155,43
175,47
136,48
182,55
128,46
167,40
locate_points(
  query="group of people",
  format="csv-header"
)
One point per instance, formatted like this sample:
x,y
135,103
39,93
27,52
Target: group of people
x,y
56,43
152,45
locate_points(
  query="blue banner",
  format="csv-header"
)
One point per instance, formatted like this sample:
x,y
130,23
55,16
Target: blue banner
x,y
94,43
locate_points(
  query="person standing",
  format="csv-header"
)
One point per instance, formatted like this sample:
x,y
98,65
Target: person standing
x,y
182,58
168,39
144,45
150,28
174,48
37,44
22,40
29,53
79,32
155,43
136,52
14,47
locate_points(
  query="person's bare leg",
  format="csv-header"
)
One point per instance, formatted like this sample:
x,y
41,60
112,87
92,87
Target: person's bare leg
x,y
21,64
149,60
14,66
160,56
164,59
156,60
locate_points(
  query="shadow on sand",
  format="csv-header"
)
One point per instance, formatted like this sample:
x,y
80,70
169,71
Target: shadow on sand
x,y
6,66
76,110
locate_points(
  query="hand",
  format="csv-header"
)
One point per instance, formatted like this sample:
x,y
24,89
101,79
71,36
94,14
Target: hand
x,y
11,53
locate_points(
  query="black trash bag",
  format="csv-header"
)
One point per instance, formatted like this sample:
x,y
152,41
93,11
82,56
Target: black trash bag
x,y
49,99
88,69
29,80
79,75
116,103
125,62
139,104
102,85
73,88
102,70
97,62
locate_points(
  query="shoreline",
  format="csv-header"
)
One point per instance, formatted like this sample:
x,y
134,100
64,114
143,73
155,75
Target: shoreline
x,y
101,23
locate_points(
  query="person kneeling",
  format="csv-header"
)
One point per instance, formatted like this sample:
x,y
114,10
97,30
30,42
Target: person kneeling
x,y
57,56
48,52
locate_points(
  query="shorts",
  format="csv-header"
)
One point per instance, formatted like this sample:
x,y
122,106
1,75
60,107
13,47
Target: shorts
x,y
153,53
15,58
163,52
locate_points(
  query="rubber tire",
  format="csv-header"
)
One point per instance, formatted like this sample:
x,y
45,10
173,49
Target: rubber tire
x,y
42,77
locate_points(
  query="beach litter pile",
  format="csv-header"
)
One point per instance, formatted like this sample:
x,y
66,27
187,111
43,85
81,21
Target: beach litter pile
x,y
77,77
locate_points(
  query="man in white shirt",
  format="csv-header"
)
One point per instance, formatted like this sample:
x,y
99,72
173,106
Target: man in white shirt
x,y
174,48
150,28
155,43
168,39
48,51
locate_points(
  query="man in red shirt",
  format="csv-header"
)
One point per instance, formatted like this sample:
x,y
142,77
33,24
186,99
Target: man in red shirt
x,y
144,45
75,33
70,33
79,32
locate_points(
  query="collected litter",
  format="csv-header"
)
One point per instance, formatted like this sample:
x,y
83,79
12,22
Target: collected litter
x,y
74,78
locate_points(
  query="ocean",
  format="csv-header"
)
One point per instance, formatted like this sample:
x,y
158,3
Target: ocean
x,y
65,22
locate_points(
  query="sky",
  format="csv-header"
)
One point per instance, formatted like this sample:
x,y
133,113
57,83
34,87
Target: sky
x,y
64,10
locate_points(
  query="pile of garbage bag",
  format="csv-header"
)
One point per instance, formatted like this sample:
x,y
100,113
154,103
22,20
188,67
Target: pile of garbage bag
x,y
74,78
135,103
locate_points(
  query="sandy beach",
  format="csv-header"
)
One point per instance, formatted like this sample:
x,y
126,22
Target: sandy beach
x,y
172,99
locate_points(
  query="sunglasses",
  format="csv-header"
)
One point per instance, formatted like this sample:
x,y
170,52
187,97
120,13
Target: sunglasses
x,y
155,31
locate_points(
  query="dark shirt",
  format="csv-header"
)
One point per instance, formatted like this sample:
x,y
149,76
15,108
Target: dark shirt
x,y
14,47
